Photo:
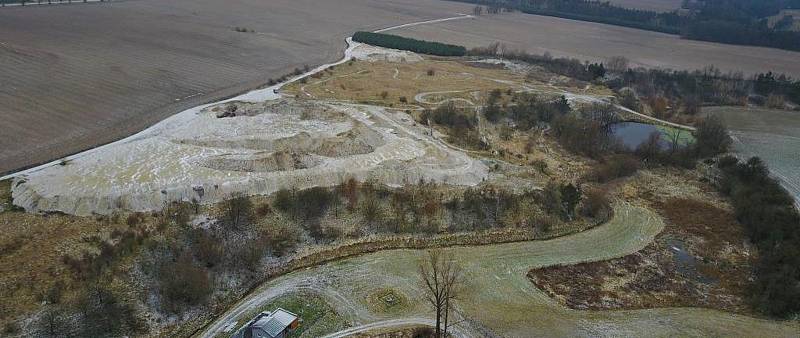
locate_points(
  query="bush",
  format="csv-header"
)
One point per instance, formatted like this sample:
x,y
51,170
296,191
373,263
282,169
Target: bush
x,y
134,219
182,283
176,213
11,328
712,137
314,202
207,248
237,210
582,136
423,332
614,167
596,204
279,238
417,46
263,209
105,314
773,224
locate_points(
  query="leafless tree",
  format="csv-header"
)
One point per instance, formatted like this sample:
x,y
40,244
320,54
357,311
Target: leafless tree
x,y
441,278
237,209
617,64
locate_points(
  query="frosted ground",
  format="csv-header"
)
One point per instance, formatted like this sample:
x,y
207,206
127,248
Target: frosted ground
x,y
268,144
772,135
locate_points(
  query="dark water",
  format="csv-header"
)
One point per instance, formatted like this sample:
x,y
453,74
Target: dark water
x,y
632,134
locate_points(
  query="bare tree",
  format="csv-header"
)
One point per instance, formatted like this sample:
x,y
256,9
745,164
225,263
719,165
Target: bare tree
x,y
237,210
617,64
441,279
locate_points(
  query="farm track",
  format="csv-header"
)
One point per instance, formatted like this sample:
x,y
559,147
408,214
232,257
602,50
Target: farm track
x,y
70,83
498,296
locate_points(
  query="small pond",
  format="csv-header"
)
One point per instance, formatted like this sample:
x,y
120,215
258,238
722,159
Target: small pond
x,y
632,134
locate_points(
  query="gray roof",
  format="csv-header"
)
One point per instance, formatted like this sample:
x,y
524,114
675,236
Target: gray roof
x,y
269,324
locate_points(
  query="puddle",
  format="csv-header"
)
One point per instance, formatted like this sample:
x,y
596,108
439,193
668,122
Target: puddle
x,y
685,263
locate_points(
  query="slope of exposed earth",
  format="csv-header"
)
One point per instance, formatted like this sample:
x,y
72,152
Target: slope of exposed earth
x,y
74,77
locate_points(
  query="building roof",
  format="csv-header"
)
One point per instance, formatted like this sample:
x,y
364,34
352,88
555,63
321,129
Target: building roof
x,y
270,324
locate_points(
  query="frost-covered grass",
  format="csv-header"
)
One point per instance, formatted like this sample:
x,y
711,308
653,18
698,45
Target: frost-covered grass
x,y
318,318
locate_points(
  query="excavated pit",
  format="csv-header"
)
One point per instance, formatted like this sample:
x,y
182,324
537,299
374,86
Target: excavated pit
x,y
255,148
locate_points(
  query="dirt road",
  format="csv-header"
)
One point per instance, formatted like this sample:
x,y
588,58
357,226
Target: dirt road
x,y
498,297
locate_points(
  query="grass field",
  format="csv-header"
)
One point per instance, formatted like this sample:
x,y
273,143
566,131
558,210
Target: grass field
x,y
77,76
500,299
597,42
772,135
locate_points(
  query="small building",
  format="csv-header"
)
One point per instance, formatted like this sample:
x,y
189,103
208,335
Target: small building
x,y
275,324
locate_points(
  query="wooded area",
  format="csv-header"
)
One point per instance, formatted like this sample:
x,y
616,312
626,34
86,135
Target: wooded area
x,y
414,45
741,22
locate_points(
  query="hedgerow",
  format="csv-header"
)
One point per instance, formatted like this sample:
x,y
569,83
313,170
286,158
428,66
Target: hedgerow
x,y
417,46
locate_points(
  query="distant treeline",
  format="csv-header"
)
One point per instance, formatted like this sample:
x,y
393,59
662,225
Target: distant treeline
x,y
417,46
741,22
688,89
773,224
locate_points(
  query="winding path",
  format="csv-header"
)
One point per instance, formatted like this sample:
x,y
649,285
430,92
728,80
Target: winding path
x,y
498,297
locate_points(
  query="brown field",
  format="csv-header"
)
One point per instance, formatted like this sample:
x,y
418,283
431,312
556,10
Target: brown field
x,y
74,77
596,42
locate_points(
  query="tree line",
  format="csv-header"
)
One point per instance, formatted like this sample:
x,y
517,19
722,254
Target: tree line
x,y
685,91
742,22
772,223
414,45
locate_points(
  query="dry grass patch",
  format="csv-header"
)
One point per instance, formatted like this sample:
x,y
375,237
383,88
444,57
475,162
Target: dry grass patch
x,y
385,83
701,259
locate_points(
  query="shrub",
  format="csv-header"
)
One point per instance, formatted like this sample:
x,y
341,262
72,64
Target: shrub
x,y
712,137
773,224
284,201
105,314
279,238
423,332
182,283
431,72
237,210
314,202
11,328
614,167
586,137
54,294
403,99
207,248
134,219
263,209
596,204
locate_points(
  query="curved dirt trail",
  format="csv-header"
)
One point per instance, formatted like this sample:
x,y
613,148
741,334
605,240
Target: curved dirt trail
x,y
498,295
